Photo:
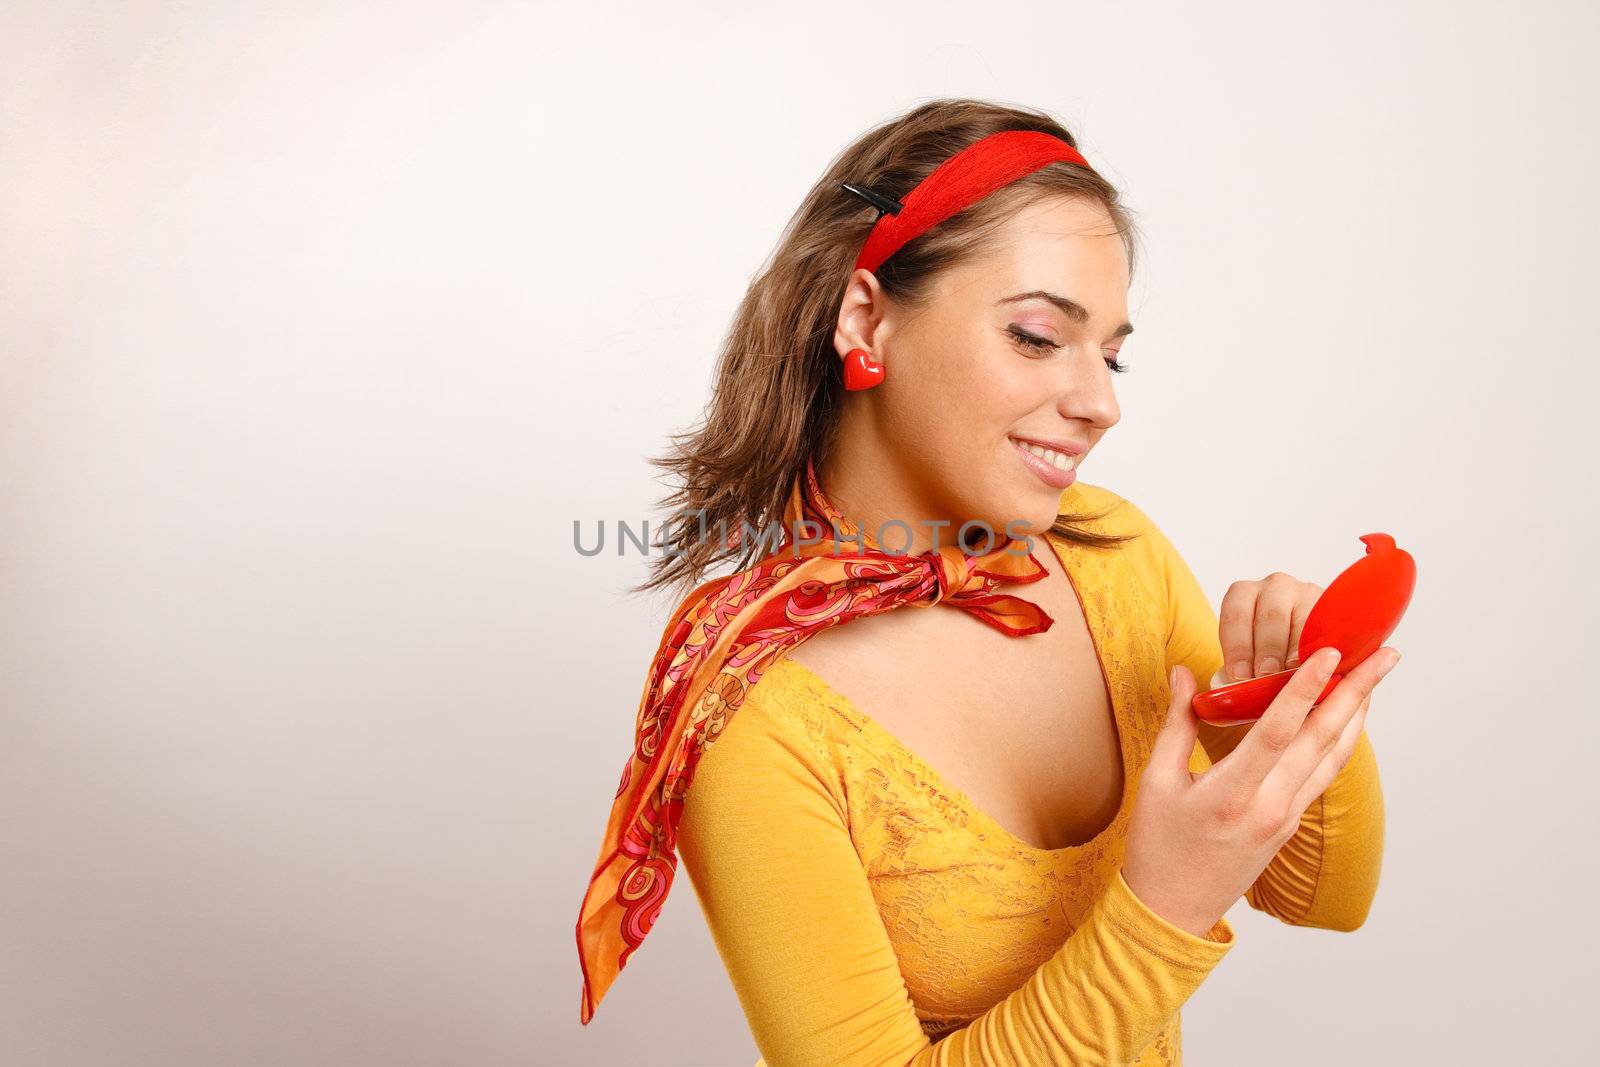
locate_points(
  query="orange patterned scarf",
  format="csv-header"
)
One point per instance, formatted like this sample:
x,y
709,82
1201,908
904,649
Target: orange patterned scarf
x,y
716,646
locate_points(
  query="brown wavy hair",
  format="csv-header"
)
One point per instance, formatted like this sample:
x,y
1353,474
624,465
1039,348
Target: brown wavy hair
x,y
779,383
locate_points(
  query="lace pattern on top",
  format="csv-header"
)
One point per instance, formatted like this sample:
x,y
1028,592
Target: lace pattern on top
x,y
972,910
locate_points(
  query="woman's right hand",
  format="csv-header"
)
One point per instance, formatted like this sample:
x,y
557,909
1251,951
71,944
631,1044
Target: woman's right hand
x,y
1196,842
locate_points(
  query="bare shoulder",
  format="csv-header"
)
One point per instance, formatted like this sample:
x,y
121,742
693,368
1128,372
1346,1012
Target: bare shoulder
x,y
861,648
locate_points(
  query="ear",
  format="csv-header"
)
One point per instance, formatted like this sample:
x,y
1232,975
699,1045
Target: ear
x,y
863,317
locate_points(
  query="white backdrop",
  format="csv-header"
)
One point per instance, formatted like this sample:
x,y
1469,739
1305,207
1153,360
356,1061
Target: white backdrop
x,y
319,327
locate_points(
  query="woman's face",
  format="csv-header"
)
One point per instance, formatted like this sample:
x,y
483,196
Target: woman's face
x,y
1012,349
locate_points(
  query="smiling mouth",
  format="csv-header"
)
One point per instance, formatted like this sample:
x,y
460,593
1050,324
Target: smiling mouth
x,y
1061,461
1056,469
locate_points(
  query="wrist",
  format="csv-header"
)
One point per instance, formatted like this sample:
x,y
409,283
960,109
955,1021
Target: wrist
x,y
1173,912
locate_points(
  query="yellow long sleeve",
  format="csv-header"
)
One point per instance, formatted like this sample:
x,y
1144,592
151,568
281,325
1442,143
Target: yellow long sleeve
x,y
1326,875
766,839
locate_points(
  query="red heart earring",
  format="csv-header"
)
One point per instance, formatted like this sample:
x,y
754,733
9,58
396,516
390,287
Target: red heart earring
x,y
860,371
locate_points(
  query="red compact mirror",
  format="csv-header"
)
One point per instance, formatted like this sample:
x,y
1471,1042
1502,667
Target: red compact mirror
x,y
1355,614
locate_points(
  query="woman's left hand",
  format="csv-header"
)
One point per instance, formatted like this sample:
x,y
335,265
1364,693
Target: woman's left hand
x,y
1259,625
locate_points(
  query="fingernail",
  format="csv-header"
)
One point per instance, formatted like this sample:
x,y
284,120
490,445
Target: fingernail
x,y
1328,660
1240,670
1267,665
1392,659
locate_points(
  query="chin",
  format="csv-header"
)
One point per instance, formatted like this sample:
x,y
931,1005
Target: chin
x,y
1028,513
1040,519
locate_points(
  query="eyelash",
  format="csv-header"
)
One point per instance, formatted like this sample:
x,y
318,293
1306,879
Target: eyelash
x,y
1029,341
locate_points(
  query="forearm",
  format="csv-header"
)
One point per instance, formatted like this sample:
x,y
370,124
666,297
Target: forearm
x,y
1101,999
1326,875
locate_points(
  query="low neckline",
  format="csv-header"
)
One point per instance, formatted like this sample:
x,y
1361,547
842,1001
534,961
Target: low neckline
x,y
1094,624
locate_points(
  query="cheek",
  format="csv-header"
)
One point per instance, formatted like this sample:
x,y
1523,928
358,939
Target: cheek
x,y
999,392
986,374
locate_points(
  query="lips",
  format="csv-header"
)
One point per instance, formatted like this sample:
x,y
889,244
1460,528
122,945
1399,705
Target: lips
x,y
1057,469
1055,444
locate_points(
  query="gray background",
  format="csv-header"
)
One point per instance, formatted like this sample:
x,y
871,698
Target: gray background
x,y
319,326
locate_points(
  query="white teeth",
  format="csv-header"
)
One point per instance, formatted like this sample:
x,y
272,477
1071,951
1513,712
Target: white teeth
x,y
1056,459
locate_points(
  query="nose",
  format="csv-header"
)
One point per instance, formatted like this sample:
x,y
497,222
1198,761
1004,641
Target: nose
x,y
1086,391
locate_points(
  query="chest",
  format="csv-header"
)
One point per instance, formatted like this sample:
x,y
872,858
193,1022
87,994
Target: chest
x,y
1022,726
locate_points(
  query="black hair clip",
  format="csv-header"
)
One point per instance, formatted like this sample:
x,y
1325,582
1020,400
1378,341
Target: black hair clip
x,y
886,205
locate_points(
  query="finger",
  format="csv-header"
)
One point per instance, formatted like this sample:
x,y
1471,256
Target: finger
x,y
1324,726
1246,767
1236,620
1274,612
1169,755
1309,594
1335,761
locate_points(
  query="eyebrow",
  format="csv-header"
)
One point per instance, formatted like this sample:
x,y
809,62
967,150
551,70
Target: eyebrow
x,y
1074,310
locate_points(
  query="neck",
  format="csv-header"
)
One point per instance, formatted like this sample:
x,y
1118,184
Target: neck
x,y
868,483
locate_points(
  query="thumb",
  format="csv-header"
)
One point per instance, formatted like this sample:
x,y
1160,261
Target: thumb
x,y
1175,743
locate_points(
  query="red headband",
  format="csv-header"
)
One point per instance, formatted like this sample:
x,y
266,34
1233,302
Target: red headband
x,y
968,176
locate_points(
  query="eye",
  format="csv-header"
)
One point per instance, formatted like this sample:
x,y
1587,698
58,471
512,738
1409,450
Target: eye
x,y
1041,344
1031,343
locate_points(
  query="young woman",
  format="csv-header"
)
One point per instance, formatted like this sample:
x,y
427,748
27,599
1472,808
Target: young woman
x,y
994,832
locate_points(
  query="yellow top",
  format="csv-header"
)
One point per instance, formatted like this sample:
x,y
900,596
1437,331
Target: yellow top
x,y
869,914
